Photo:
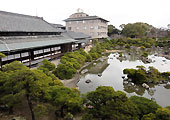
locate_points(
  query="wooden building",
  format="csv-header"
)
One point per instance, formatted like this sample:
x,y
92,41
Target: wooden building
x,y
30,39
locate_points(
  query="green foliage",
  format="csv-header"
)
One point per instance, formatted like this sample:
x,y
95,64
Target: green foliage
x,y
65,71
112,30
13,67
65,99
40,110
144,105
2,55
140,75
135,29
137,76
87,116
116,104
145,54
47,64
163,114
149,116
94,56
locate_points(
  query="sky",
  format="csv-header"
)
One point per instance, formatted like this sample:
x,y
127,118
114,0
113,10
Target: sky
x,y
153,12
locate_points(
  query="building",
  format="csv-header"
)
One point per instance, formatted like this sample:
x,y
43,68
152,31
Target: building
x,y
83,40
30,39
94,26
58,26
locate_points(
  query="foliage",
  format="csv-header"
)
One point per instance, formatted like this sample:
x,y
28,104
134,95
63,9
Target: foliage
x,y
112,30
145,54
116,104
144,105
136,29
65,100
142,75
162,114
23,83
2,55
149,116
47,64
137,76
65,71
40,110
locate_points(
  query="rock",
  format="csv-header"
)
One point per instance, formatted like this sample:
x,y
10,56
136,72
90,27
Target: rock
x,y
123,77
84,71
88,81
100,74
153,99
125,82
145,85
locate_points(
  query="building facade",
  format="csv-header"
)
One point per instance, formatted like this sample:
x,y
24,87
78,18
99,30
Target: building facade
x,y
94,26
30,39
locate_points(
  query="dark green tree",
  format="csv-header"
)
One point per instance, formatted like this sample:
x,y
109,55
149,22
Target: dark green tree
x,y
105,103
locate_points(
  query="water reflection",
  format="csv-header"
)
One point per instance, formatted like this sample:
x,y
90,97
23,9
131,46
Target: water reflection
x,y
112,72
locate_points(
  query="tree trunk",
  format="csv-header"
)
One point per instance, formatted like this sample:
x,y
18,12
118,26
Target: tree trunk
x,y
11,110
30,107
62,111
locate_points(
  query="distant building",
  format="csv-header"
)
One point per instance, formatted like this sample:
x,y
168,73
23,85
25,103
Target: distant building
x,y
59,26
94,26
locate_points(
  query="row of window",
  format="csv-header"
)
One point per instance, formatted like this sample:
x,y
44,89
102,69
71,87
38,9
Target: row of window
x,y
83,21
98,33
92,27
78,22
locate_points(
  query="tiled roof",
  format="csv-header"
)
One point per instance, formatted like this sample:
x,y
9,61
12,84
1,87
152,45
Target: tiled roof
x,y
76,35
85,18
13,22
16,43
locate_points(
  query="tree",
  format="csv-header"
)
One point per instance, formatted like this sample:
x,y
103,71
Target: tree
x,y
24,83
116,104
144,105
65,71
47,64
135,30
65,100
163,114
112,30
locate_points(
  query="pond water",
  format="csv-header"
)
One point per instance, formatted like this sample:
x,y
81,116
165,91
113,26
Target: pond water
x,y
111,70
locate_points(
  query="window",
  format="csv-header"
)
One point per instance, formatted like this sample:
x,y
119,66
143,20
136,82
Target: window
x,y
91,27
69,28
84,27
70,22
77,28
92,33
77,22
84,21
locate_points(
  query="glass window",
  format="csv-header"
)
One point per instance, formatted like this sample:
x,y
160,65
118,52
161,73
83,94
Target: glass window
x,y
84,21
84,27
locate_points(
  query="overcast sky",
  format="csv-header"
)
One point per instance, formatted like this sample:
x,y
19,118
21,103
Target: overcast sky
x,y
154,12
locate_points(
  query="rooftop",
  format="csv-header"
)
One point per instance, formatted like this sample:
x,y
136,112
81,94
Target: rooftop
x,y
84,18
76,35
13,22
30,42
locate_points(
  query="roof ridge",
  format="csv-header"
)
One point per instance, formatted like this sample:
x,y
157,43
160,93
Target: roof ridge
x,y
19,15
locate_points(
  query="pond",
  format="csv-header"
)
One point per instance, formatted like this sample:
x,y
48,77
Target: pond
x,y
109,72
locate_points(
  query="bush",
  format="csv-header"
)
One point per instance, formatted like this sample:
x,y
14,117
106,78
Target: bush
x,y
94,55
65,71
144,105
47,64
